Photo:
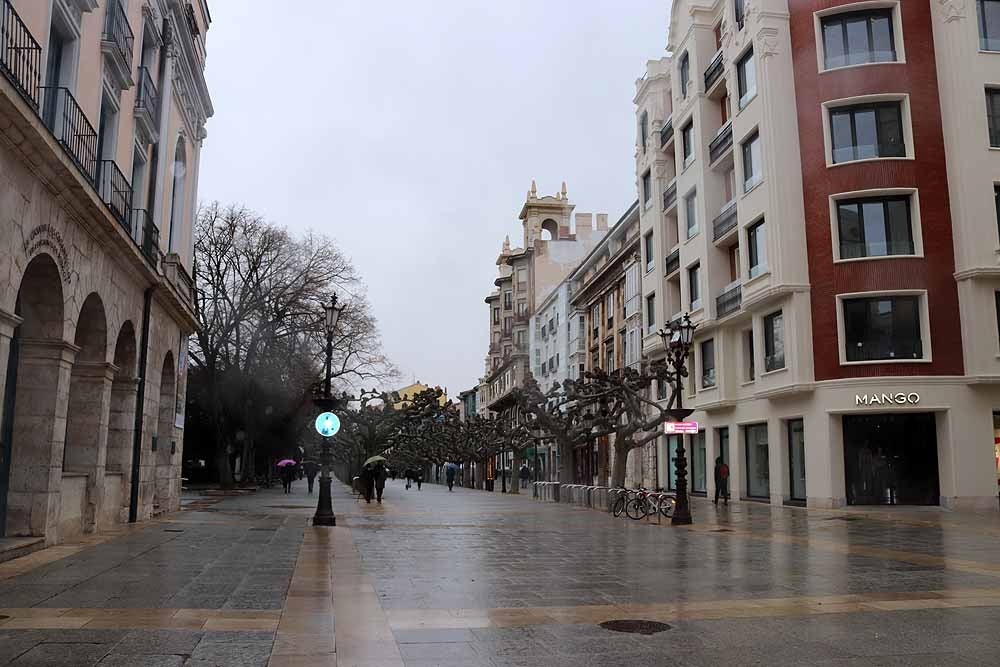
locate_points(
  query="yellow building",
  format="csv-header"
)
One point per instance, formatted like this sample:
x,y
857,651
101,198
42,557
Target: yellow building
x,y
409,391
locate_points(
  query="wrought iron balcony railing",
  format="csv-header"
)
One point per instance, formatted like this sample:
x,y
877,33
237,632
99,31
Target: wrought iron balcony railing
x,y
20,54
64,117
673,262
118,31
666,132
729,301
115,191
147,235
722,142
670,195
714,70
146,96
725,222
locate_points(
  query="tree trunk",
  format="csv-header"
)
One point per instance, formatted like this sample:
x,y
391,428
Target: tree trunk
x,y
223,467
565,462
618,466
515,473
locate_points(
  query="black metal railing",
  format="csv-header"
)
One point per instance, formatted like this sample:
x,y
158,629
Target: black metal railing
x,y
20,54
64,117
723,142
146,96
714,70
673,262
725,222
670,196
146,234
115,191
118,31
666,132
729,301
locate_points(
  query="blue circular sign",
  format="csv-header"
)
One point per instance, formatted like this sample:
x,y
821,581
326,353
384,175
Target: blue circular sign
x,y
327,424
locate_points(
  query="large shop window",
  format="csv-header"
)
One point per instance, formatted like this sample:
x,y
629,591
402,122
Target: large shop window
x,y
758,466
857,38
875,227
774,342
699,470
723,439
884,327
993,115
988,13
867,131
796,460
891,459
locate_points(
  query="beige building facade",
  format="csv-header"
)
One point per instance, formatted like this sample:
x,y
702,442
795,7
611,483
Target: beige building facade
x,y
103,105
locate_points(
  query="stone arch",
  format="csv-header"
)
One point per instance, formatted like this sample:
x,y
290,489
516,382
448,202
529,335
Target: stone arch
x,y
35,390
163,456
550,230
85,450
121,425
177,192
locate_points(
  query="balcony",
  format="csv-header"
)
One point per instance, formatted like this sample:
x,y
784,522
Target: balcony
x,y
725,222
729,301
115,191
147,107
673,262
20,54
66,120
116,44
147,235
721,144
714,71
670,196
666,132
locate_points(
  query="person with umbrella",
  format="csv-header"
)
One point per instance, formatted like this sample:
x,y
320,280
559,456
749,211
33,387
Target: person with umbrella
x,y
450,469
369,477
287,473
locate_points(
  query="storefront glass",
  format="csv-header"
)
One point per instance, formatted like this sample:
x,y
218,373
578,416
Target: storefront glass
x,y
891,459
758,471
996,437
796,460
723,441
672,442
698,470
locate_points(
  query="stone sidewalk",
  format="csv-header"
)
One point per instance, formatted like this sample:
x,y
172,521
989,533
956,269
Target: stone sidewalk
x,y
474,578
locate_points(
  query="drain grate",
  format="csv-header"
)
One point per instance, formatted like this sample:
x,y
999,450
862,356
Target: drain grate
x,y
172,530
635,627
721,530
3,618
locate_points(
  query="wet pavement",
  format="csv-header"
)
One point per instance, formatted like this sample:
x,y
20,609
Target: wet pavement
x,y
472,578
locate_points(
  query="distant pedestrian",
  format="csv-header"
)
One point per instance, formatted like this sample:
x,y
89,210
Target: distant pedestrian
x,y
311,468
721,481
287,477
525,475
449,475
379,476
367,483
409,478
418,477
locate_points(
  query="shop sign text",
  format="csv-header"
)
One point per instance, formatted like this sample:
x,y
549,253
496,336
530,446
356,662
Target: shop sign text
x,y
897,398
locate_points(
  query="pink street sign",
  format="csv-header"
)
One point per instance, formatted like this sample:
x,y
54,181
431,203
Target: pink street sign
x,y
673,428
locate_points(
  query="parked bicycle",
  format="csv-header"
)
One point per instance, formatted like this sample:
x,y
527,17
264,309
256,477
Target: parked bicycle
x,y
640,503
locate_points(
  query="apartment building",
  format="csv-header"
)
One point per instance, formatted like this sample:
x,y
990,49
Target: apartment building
x,y
606,304
103,105
826,179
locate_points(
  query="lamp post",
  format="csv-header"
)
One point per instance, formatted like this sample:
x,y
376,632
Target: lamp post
x,y
324,509
677,337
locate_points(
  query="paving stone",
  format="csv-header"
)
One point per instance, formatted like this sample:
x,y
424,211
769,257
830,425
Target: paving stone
x,y
62,655
166,642
135,660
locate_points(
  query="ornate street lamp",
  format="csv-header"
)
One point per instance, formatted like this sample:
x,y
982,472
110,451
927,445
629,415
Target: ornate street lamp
x,y
677,337
324,509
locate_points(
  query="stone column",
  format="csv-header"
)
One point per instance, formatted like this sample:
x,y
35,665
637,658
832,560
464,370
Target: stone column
x,y
42,400
8,322
121,427
87,431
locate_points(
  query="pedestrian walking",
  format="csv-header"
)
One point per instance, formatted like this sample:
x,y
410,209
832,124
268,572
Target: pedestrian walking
x,y
367,483
721,481
418,477
311,468
287,477
449,475
525,475
409,478
379,476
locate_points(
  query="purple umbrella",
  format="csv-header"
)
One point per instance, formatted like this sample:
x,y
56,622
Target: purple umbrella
x,y
285,462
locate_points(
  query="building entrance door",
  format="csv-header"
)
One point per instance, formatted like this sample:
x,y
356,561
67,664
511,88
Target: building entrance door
x,y
891,459
7,427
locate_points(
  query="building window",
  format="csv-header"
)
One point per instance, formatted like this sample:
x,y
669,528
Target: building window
x,y
687,141
874,227
708,364
796,460
496,315
857,38
647,243
867,131
685,69
883,327
508,300
993,115
739,13
651,313
751,162
774,342
757,248
609,356
996,297
699,468
595,321
748,356
609,310
988,12
694,286
758,461
996,204
644,130
691,214
647,188
746,78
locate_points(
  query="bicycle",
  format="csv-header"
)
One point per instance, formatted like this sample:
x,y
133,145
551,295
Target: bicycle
x,y
624,496
641,503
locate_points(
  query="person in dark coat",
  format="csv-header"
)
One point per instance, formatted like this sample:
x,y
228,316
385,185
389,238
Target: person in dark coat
x,y
379,476
418,477
449,475
721,481
287,476
311,469
525,475
367,483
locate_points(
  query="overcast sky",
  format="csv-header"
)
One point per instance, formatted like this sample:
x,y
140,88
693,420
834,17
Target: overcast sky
x,y
410,132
